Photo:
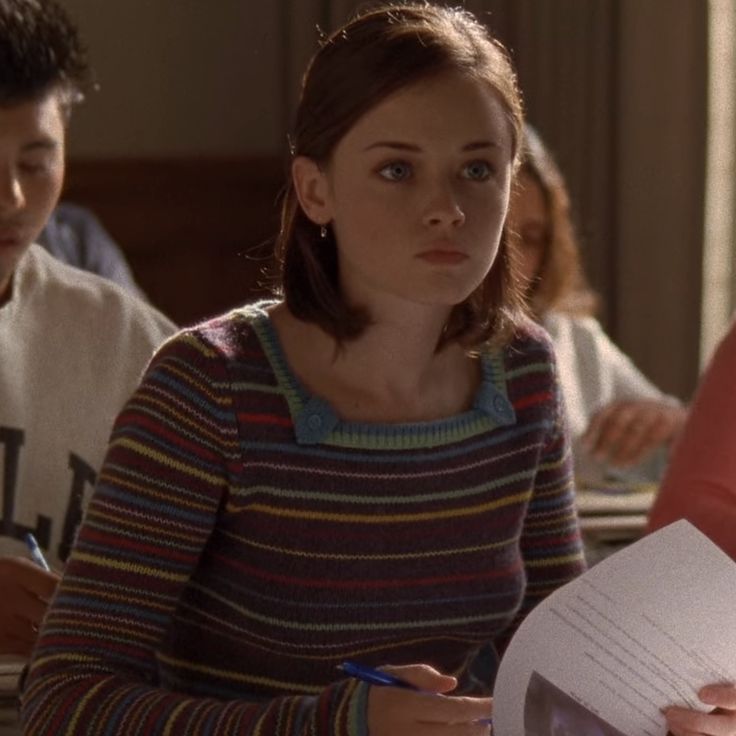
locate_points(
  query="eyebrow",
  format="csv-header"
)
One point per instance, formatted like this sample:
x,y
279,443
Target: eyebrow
x,y
401,146
45,144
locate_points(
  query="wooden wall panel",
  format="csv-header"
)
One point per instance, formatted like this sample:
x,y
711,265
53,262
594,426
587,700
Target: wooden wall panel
x,y
198,233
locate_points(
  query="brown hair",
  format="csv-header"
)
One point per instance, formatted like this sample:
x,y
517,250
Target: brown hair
x,y
372,56
560,284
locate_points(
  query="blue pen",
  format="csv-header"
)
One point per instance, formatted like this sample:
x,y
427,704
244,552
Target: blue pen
x,y
373,676
377,677
35,551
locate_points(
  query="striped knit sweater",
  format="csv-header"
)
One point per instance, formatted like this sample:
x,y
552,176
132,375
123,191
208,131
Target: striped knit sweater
x,y
242,541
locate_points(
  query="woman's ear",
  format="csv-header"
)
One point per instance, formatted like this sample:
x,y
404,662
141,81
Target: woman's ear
x,y
312,189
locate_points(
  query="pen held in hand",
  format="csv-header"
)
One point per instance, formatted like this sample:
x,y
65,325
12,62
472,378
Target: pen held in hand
x,y
377,677
373,676
35,551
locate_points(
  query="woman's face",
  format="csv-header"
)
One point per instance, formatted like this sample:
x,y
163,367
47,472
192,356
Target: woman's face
x,y
417,192
528,225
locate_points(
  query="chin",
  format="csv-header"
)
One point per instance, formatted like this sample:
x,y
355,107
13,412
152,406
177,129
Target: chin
x,y
9,259
445,299
451,295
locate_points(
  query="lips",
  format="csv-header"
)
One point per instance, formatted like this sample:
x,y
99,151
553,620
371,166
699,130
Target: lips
x,y
10,238
443,257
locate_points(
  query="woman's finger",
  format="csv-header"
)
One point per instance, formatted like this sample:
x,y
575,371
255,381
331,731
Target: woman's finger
x,y
720,695
423,677
683,721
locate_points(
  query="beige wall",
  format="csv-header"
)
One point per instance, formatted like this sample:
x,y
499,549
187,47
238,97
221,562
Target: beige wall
x,y
660,189
181,78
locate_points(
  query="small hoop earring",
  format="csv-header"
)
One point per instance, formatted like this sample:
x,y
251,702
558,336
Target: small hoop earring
x,y
323,231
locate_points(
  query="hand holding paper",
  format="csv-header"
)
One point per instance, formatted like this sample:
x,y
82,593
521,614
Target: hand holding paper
x,y
644,630
683,722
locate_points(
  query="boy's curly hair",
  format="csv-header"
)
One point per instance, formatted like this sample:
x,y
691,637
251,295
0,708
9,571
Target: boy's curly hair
x,y
40,50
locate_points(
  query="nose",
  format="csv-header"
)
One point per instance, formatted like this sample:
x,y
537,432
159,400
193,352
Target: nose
x,y
11,192
444,208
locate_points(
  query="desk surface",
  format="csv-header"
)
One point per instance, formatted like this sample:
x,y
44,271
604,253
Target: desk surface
x,y
599,503
10,669
612,517
9,721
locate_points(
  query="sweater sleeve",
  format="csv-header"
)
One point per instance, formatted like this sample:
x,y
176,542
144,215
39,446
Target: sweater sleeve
x,y
700,483
551,543
167,473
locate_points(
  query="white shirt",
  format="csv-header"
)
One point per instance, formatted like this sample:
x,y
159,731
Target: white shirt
x,y
593,372
73,347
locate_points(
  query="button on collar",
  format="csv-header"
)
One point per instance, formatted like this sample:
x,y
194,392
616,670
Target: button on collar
x,y
494,403
315,422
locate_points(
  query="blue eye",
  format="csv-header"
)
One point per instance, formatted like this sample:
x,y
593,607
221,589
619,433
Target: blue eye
x,y
396,171
477,170
32,168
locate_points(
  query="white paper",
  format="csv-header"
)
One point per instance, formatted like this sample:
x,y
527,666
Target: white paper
x,y
645,628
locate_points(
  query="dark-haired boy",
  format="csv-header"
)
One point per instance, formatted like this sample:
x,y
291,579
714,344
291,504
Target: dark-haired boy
x,y
72,345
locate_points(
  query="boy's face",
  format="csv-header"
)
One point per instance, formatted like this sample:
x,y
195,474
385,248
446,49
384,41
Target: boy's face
x,y
31,176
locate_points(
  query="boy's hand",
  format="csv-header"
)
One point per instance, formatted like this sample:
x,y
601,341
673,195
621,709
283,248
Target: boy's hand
x,y
25,590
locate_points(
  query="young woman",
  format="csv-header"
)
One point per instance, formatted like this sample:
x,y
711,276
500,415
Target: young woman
x,y
374,468
617,417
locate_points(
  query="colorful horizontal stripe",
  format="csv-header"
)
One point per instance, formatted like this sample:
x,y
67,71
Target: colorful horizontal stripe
x,y
227,564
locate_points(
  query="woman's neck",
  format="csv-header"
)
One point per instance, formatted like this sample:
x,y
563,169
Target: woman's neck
x,y
392,372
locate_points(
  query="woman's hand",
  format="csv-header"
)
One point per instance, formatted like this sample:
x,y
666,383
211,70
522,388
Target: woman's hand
x,y
394,711
25,590
624,432
719,722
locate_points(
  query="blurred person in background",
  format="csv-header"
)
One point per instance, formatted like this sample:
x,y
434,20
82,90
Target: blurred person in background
x,y
621,424
73,234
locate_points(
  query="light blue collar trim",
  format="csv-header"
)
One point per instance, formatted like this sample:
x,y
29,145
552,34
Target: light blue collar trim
x,y
315,421
491,400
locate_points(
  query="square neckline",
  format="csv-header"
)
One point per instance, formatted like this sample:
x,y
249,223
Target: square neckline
x,y
316,422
